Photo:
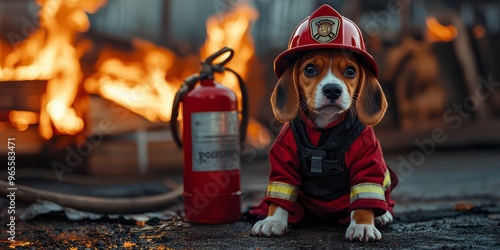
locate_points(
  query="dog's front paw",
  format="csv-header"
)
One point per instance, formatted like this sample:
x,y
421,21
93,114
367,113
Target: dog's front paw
x,y
362,232
269,227
384,219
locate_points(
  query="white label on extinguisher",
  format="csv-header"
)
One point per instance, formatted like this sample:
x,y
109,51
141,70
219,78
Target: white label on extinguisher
x,y
216,143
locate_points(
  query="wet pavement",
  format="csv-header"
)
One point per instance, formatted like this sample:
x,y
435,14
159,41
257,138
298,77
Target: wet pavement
x,y
450,199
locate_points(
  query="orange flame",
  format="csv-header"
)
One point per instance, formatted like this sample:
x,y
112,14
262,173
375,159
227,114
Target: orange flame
x,y
137,80
22,119
232,29
144,81
50,54
437,32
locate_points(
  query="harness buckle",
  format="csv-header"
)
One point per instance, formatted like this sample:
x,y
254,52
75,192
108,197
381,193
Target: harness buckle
x,y
316,159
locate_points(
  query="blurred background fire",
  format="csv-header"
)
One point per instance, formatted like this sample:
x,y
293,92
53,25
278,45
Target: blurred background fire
x,y
100,75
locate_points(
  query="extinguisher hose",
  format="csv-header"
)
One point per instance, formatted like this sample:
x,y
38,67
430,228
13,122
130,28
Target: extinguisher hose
x,y
186,86
207,71
244,105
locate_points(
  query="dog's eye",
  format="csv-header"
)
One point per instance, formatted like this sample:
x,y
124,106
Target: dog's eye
x,y
310,70
350,72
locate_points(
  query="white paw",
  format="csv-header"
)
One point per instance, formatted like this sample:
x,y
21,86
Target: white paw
x,y
362,232
269,227
383,219
272,225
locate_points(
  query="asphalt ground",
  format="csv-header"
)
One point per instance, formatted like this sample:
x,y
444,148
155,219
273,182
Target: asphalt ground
x,y
448,201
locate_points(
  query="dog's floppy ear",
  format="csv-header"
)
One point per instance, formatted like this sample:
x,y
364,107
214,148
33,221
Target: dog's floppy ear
x,y
371,103
285,97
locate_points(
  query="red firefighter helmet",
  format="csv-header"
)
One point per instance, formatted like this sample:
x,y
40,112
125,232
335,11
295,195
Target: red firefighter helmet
x,y
325,28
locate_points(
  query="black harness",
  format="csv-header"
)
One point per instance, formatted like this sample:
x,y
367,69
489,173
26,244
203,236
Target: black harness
x,y
322,168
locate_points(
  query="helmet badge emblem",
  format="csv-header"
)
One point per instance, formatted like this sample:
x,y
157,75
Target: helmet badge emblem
x,y
325,29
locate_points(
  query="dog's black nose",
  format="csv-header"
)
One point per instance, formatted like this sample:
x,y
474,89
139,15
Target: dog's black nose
x,y
332,91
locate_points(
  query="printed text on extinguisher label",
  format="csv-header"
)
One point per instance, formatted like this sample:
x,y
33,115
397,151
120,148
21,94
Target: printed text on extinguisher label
x,y
216,144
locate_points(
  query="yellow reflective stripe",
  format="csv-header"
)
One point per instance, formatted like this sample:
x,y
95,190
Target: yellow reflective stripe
x,y
367,191
282,190
387,180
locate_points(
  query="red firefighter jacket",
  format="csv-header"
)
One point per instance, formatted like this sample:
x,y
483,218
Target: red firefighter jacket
x,y
371,181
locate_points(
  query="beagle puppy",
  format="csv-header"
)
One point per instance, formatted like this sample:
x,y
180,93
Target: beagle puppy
x,y
322,86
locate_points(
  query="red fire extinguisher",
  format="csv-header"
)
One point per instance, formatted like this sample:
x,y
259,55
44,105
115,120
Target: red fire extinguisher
x,y
212,135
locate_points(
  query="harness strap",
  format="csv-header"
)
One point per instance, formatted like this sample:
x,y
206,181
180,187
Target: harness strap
x,y
323,170
328,157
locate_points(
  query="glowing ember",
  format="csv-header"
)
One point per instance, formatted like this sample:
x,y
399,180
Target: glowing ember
x,y
19,243
437,32
51,54
127,244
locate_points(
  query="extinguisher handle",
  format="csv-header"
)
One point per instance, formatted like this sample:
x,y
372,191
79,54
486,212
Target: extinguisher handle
x,y
208,68
218,67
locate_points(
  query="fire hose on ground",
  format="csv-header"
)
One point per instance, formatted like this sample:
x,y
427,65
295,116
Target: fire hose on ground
x,y
101,205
